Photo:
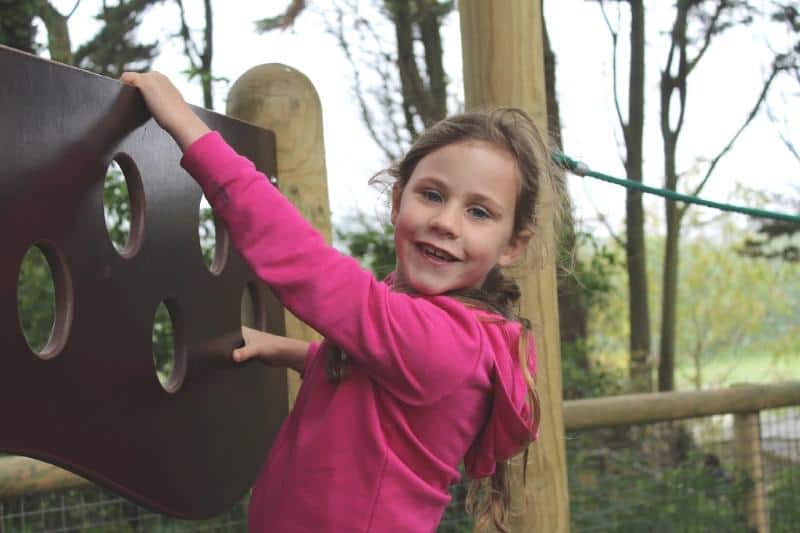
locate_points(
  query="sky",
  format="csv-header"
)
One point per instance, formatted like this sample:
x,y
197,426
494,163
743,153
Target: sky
x,y
721,92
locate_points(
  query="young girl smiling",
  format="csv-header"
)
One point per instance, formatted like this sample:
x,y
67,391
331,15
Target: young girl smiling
x,y
419,372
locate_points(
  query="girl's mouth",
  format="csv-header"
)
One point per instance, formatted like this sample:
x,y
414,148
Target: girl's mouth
x,y
436,253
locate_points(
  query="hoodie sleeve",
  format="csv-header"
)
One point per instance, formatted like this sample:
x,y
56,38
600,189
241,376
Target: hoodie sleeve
x,y
511,426
418,348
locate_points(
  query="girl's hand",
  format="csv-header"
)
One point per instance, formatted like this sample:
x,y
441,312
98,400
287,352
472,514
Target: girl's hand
x,y
167,106
272,350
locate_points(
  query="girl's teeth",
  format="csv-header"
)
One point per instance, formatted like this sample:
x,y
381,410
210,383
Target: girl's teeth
x,y
437,254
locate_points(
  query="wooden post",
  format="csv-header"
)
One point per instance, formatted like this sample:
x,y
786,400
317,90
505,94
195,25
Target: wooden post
x,y
747,437
281,99
504,65
21,476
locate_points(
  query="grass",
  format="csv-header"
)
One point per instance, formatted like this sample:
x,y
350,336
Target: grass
x,y
725,370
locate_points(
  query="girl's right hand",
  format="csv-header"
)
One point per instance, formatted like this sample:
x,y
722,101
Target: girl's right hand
x,y
272,350
167,106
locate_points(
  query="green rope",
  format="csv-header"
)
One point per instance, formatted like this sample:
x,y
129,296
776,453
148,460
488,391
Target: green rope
x,y
581,169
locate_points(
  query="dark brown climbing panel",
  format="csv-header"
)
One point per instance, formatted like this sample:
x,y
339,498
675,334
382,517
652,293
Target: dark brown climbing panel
x,y
91,401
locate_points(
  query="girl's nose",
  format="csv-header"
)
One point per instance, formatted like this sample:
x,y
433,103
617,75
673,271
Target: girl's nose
x,y
447,222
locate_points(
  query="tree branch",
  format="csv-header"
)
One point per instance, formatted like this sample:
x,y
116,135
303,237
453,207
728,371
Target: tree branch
x,y
189,46
337,31
727,148
615,88
709,33
58,40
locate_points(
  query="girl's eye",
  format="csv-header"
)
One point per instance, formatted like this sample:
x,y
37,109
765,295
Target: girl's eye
x,y
431,195
479,213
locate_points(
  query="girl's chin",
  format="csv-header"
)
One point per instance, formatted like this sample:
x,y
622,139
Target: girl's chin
x,y
427,287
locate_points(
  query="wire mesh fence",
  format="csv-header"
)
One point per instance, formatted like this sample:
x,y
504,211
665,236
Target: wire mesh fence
x,y
96,510
687,476
683,476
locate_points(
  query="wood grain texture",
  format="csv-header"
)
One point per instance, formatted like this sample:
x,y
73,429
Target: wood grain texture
x,y
92,402
747,449
504,66
284,100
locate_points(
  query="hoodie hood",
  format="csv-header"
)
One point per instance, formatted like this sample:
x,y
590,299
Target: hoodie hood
x,y
510,427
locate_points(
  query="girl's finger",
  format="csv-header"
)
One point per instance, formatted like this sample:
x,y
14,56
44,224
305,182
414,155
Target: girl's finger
x,y
243,354
128,78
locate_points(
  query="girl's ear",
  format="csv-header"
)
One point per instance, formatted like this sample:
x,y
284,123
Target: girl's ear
x,y
515,248
397,193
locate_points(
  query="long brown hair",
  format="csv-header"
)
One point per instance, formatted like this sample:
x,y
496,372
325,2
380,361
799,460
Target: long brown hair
x,y
513,130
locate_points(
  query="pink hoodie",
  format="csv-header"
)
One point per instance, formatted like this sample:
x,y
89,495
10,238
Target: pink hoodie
x,y
430,382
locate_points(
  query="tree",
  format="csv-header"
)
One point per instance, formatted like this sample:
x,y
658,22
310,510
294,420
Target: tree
x,y
109,52
58,40
774,238
200,55
695,26
575,283
744,312
751,312
36,299
639,367
113,49
16,24
401,86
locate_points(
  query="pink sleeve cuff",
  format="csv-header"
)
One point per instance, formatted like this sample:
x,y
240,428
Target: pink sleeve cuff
x,y
311,353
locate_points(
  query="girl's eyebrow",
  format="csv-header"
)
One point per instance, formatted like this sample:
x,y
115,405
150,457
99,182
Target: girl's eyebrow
x,y
491,203
433,180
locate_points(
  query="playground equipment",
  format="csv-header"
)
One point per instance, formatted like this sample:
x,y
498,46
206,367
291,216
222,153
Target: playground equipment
x,y
90,400
503,65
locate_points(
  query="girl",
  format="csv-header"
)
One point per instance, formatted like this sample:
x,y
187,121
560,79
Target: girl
x,y
417,373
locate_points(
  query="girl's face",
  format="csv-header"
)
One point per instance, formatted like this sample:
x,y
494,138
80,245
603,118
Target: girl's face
x,y
454,218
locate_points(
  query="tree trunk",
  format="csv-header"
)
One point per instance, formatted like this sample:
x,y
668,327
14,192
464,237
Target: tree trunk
x,y
572,312
669,297
638,304
669,302
410,82
206,77
58,40
429,22
678,63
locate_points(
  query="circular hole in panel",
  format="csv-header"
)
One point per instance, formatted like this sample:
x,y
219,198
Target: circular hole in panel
x,y
168,353
44,299
123,205
213,238
252,308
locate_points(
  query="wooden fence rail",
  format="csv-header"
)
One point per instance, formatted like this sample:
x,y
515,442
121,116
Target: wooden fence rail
x,y
21,476
633,409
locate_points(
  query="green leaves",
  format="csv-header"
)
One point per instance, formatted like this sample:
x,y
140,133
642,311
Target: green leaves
x,y
371,242
36,299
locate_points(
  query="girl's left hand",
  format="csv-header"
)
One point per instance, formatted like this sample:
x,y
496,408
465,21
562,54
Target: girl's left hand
x,y
273,350
167,106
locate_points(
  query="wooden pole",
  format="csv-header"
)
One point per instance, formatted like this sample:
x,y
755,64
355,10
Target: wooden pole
x,y
747,440
504,65
281,99
21,476
648,408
